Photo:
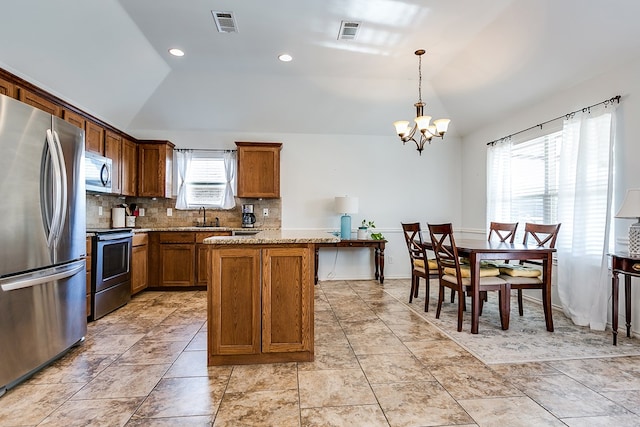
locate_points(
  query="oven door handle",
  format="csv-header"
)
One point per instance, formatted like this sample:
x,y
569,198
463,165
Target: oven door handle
x,y
39,277
107,237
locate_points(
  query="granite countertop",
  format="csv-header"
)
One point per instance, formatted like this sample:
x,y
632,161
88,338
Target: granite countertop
x,y
274,237
188,228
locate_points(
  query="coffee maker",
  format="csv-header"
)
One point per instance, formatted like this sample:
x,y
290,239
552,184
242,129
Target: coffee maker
x,y
248,218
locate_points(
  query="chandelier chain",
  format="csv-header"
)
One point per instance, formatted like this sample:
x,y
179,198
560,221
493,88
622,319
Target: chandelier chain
x,y
419,78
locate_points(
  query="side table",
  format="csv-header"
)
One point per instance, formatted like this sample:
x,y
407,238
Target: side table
x,y
629,265
377,245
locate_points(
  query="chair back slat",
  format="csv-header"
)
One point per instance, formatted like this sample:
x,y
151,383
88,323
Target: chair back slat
x,y
543,234
503,231
444,247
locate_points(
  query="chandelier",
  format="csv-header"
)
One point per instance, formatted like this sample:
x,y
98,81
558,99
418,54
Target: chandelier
x,y
427,131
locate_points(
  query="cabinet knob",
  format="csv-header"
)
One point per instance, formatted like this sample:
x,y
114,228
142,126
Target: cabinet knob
x,y
636,267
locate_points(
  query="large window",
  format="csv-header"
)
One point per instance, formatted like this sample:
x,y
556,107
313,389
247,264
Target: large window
x,y
204,178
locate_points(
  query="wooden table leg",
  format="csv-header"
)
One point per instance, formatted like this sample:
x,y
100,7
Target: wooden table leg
x,y
547,266
627,303
614,306
376,261
475,293
505,305
315,267
381,262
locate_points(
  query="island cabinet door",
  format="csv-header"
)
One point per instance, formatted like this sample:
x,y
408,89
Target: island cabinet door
x,y
287,300
234,323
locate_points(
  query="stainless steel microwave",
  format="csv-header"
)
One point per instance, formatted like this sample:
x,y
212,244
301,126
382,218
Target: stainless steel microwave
x,y
97,173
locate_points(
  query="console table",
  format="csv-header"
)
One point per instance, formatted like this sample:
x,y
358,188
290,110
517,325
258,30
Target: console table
x,y
376,245
629,265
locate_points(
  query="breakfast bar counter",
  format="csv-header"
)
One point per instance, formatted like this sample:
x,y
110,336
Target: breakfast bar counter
x,y
260,296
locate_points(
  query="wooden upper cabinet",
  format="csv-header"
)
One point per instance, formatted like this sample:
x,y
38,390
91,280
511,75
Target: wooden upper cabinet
x,y
39,102
155,162
7,88
113,150
94,138
74,118
259,169
129,168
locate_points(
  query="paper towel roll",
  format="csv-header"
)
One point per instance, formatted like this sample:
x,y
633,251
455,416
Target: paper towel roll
x,y
117,217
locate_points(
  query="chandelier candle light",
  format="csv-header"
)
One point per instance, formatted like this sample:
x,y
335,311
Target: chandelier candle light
x,y
427,131
346,205
631,209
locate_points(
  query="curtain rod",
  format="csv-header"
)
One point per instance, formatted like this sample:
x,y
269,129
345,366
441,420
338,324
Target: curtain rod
x,y
217,150
567,116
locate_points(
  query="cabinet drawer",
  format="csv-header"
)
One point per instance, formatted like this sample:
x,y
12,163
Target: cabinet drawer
x,y
140,239
177,237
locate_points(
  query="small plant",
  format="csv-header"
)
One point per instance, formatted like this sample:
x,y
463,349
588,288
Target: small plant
x,y
370,224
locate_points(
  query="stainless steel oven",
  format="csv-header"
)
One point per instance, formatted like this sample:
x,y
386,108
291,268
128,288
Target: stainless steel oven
x,y
111,271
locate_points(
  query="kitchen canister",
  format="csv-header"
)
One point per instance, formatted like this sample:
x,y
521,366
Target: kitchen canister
x,y
117,217
130,221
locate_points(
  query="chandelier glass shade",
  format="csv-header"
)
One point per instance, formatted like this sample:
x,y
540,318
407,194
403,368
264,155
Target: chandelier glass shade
x,y
422,128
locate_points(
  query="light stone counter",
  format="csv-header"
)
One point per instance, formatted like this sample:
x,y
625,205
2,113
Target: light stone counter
x,y
267,237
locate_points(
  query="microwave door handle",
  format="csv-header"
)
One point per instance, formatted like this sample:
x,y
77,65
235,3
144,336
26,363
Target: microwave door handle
x,y
63,185
104,175
55,221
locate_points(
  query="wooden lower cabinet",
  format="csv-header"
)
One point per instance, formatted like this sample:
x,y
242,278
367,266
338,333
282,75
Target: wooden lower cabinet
x,y
260,304
177,264
139,263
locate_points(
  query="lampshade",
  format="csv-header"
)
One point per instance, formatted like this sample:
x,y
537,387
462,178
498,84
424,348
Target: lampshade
x,y
631,205
346,205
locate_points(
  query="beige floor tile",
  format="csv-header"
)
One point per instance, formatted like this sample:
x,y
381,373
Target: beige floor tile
x,y
524,369
111,344
29,404
441,352
337,387
630,399
251,378
565,397
384,343
615,374
340,416
259,409
150,351
194,364
509,411
332,356
198,342
202,421
94,413
74,367
419,404
604,421
174,331
470,382
393,368
118,381
183,397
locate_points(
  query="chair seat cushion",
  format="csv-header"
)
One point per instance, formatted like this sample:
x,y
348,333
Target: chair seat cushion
x,y
465,271
433,265
521,281
484,281
520,271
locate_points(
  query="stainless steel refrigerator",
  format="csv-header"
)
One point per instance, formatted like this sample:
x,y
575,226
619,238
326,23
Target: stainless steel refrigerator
x,y
42,240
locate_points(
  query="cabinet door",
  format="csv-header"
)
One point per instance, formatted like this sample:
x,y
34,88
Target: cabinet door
x,y
129,168
287,300
258,169
75,119
7,88
234,289
177,264
155,161
94,138
139,257
201,255
39,102
113,150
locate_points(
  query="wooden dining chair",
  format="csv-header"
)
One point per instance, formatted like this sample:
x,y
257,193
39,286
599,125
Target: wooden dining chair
x,y
421,266
453,276
523,277
503,231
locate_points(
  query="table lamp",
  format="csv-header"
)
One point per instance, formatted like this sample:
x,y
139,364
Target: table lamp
x,y
346,205
631,209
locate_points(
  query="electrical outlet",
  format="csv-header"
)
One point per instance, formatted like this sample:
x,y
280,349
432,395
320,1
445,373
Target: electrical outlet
x,y
169,212
265,212
140,211
99,210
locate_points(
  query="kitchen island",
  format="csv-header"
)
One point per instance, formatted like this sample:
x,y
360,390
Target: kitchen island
x,y
260,296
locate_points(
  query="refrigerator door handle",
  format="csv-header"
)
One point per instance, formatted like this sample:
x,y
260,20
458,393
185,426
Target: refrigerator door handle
x,y
55,221
63,185
40,277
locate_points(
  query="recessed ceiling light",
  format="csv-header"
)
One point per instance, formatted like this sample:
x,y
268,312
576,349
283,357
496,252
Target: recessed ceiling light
x,y
176,52
285,57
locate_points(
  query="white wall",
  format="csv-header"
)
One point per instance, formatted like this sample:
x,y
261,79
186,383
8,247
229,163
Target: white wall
x,y
622,81
393,184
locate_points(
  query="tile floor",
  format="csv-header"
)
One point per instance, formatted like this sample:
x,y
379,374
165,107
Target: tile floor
x,y
377,364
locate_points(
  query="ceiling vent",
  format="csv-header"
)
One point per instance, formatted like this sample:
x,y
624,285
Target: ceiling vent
x,y
225,22
348,30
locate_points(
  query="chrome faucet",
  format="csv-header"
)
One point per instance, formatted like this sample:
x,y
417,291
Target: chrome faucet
x,y
204,215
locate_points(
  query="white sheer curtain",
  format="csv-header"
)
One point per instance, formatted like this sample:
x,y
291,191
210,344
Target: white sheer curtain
x,y
584,209
183,160
499,182
230,166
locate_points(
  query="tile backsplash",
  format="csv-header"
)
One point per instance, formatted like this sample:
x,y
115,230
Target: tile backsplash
x,y
156,212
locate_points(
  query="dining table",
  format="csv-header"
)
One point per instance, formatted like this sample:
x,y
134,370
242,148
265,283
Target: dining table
x,y
477,250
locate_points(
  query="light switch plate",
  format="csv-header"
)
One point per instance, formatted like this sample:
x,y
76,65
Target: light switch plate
x,y
99,210
140,211
169,212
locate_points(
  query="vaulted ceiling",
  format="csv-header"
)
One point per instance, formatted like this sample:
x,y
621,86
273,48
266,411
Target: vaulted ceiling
x,y
484,58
